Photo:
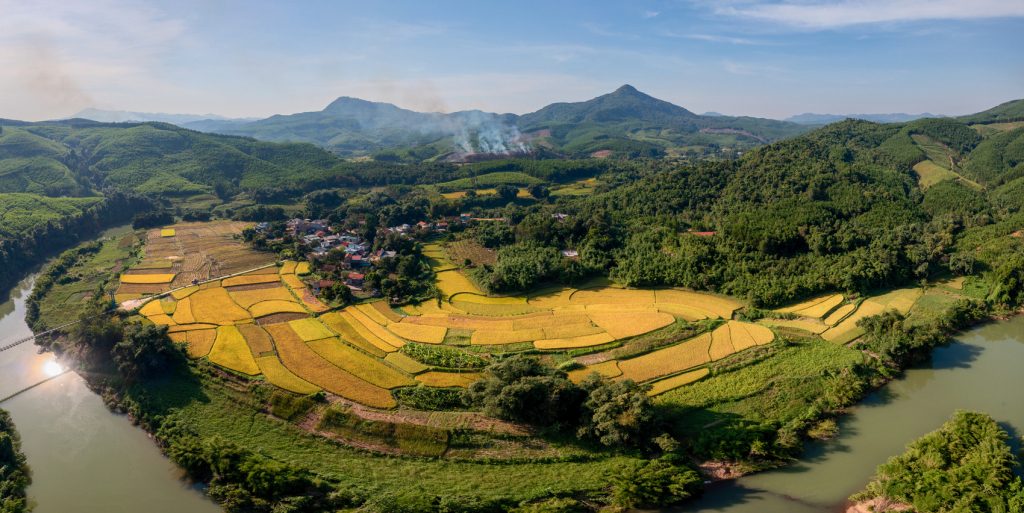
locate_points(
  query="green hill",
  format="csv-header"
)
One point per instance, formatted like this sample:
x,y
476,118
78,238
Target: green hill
x,y
34,164
1012,110
20,213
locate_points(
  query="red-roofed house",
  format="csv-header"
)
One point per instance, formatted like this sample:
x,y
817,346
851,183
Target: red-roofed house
x,y
355,279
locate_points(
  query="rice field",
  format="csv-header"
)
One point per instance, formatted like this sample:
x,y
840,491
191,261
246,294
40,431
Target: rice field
x,y
293,281
811,327
375,315
151,308
146,279
492,338
493,310
232,352
448,379
359,364
839,314
309,300
667,361
366,334
310,329
289,267
816,307
265,308
901,300
183,313
453,282
162,319
281,377
247,298
572,330
250,279
609,369
258,339
184,293
302,269
349,334
167,233
841,331
214,306
625,325
200,342
385,309
308,365
419,332
716,306
574,342
405,363
664,385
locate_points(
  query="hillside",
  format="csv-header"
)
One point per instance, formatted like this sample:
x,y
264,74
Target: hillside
x,y
824,119
1009,111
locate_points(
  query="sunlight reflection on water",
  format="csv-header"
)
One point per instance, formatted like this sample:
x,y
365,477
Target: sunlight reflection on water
x,y
52,368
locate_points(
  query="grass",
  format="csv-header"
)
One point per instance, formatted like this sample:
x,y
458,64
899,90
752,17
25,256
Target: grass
x,y
664,385
274,307
310,329
349,334
779,388
279,376
200,342
574,342
412,439
359,364
147,278
247,298
230,414
492,179
419,332
668,361
448,379
214,306
307,365
930,174
231,351
625,325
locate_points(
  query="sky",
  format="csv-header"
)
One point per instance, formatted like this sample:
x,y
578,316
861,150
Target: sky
x,y
773,59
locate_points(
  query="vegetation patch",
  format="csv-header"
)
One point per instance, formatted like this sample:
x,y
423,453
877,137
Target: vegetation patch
x,y
411,439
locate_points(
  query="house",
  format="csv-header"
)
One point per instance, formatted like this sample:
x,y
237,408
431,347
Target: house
x,y
347,239
570,253
442,227
560,217
403,228
704,234
324,284
355,279
422,225
464,218
262,226
329,268
320,233
319,252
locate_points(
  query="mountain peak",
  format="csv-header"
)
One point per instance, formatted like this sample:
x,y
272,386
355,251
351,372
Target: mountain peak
x,y
627,89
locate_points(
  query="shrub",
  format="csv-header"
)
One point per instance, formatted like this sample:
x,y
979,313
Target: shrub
x,y
655,483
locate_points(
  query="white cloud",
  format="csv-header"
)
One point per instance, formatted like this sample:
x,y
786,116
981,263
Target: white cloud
x,y
650,14
823,15
607,33
717,39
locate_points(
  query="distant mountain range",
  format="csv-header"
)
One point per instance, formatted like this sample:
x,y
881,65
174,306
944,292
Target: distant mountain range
x,y
119,116
824,119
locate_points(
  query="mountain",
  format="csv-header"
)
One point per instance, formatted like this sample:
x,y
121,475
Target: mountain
x,y
712,114
120,116
1009,111
824,119
625,122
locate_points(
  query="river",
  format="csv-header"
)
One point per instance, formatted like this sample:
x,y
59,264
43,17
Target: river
x,y
980,370
84,458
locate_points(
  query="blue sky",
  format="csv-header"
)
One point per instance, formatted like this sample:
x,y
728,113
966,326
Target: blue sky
x,y
742,57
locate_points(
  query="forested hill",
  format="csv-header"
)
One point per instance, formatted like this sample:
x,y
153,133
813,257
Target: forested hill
x,y
351,127
1009,111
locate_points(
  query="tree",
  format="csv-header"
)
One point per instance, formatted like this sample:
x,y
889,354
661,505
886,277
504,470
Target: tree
x,y
655,483
506,192
539,191
144,350
962,263
522,389
618,413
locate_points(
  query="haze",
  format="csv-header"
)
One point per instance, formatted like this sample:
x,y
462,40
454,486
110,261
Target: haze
x,y
256,59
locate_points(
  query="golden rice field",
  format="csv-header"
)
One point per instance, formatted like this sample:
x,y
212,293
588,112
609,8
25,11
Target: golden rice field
x,y
625,325
214,306
419,332
811,327
374,328
281,377
405,363
667,361
375,315
386,311
232,352
310,329
609,369
839,314
574,342
258,339
308,365
350,335
200,342
146,278
359,364
265,308
167,233
249,279
293,281
901,300
309,300
151,308
664,385
453,282
366,334
183,313
247,298
848,327
302,269
448,379
572,330
289,267
184,293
